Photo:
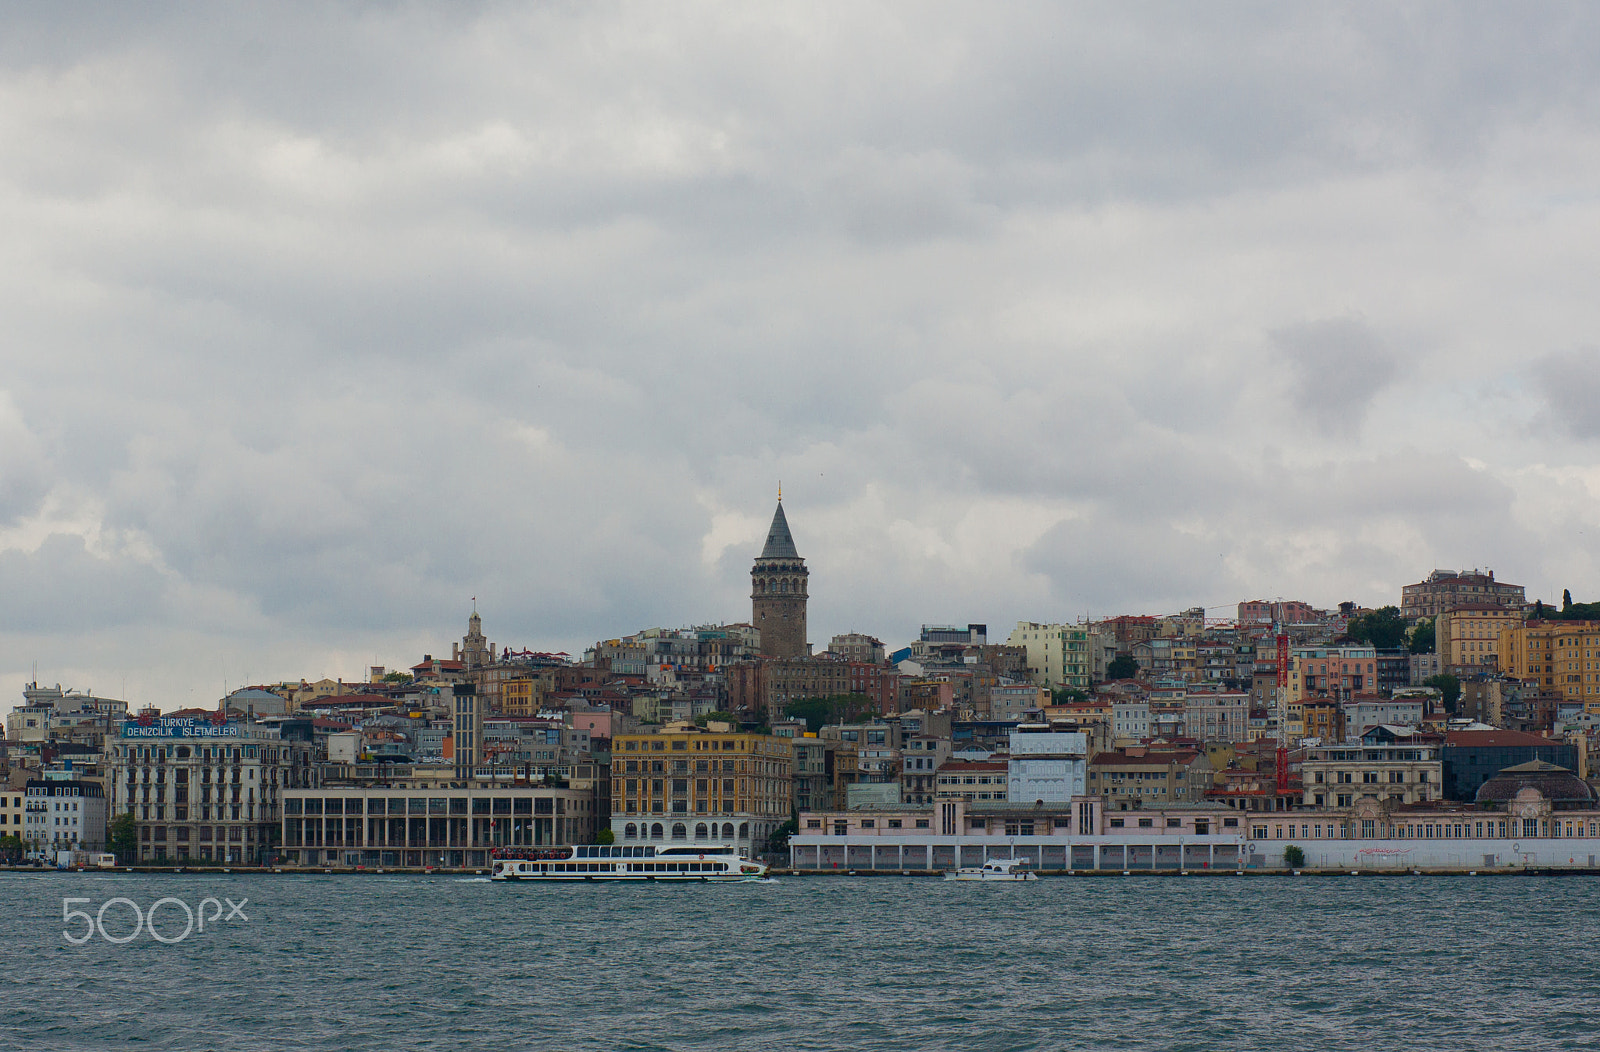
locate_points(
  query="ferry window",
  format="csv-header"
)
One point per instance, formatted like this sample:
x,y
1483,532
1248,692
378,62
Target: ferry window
x,y
502,805
480,805
522,805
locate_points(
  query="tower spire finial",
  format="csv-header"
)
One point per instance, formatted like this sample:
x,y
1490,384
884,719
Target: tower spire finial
x,y
780,490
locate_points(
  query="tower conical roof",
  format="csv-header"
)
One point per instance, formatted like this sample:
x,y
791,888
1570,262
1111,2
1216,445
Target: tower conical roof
x,y
780,542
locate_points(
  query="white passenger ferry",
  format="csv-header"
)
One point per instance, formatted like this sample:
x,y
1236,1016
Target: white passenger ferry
x,y
995,869
704,863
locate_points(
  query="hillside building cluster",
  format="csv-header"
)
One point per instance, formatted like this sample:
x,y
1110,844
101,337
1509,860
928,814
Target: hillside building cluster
x,y
1471,719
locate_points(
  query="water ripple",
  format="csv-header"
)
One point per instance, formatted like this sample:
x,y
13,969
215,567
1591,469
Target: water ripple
x,y
428,963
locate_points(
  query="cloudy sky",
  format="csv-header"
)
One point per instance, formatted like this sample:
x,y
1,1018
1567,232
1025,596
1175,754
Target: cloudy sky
x,y
321,321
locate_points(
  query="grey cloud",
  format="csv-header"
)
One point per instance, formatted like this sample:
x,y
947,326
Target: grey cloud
x,y
1338,366
283,289
63,587
1569,382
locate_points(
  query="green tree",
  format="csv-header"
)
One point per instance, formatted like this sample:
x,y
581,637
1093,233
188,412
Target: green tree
x,y
122,838
605,836
1423,637
778,842
1068,695
836,708
1384,628
397,677
1449,686
1122,667
1566,600
721,717
11,847
1293,857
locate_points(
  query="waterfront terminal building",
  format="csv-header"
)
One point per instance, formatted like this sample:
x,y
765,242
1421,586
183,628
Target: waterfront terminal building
x,y
1533,816
420,822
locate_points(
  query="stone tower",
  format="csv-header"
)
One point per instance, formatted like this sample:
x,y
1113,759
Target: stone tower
x,y
778,593
474,651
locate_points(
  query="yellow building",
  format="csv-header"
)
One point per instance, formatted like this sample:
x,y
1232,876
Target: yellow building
x,y
689,785
523,696
1562,656
1469,636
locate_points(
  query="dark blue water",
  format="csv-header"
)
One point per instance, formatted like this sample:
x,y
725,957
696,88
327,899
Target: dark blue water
x,y
812,963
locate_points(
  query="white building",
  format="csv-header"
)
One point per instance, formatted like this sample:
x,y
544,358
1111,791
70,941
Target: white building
x,y
1058,655
1130,720
1052,766
63,814
1361,716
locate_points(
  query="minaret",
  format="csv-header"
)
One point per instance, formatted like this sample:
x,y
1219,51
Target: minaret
x,y
778,592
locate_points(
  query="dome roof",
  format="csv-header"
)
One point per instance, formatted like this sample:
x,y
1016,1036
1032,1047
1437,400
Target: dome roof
x,y
1558,785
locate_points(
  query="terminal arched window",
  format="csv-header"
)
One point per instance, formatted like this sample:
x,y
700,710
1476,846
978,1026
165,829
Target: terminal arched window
x,y
700,831
655,831
629,831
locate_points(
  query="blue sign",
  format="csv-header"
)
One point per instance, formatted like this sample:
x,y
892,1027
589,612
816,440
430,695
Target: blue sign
x,y
178,727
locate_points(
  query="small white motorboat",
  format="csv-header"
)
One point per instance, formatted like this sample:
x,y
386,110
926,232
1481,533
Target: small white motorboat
x,y
995,869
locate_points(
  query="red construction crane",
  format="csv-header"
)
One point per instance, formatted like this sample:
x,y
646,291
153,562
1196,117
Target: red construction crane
x,y
1283,713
